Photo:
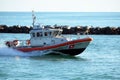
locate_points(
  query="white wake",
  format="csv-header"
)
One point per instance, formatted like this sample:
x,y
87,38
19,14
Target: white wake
x,y
4,51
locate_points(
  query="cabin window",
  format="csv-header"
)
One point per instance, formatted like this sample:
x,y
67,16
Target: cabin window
x,y
49,33
55,33
46,34
41,34
60,32
38,34
33,34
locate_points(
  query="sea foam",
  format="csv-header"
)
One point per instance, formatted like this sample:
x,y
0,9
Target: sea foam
x,y
4,51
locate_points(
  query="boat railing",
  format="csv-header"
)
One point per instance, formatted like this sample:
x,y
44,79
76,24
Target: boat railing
x,y
24,43
17,43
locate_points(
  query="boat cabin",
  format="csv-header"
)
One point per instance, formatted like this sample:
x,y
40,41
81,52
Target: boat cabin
x,y
40,33
41,36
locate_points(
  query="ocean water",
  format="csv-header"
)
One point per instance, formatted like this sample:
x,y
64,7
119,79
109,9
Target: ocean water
x,y
100,61
94,19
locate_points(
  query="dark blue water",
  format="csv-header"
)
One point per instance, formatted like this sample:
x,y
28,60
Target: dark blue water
x,y
100,61
62,18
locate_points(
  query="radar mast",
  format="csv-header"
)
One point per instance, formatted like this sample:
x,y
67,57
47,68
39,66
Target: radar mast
x,y
34,18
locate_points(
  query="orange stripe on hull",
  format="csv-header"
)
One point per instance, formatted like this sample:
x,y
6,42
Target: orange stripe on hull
x,y
54,46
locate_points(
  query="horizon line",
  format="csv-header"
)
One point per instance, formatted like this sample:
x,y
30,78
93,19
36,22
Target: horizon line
x,y
62,11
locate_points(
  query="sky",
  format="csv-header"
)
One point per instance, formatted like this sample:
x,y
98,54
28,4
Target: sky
x,y
61,5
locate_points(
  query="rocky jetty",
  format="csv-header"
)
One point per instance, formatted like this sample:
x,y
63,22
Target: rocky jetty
x,y
14,29
66,29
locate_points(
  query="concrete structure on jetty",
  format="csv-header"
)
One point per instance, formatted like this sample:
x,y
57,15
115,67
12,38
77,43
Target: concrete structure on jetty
x,y
66,29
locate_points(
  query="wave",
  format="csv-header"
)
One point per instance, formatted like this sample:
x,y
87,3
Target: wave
x,y
12,52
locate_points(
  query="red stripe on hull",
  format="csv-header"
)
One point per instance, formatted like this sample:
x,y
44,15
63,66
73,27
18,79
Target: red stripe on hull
x,y
54,46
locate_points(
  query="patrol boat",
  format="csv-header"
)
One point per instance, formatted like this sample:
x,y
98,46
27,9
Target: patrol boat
x,y
42,39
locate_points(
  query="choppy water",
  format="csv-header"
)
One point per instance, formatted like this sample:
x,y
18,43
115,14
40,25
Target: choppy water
x,y
100,61
62,18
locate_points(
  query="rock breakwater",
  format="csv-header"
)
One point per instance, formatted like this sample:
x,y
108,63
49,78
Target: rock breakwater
x,y
66,29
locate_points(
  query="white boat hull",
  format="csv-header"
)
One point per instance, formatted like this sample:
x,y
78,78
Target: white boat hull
x,y
74,47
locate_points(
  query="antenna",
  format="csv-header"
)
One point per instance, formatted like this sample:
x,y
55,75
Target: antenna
x,y
33,17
